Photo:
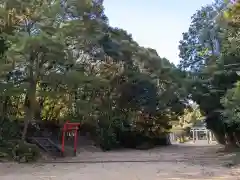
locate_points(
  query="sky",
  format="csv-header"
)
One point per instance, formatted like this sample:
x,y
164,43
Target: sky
x,y
157,24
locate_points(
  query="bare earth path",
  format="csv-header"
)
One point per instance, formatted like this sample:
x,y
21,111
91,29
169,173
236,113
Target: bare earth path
x,y
176,162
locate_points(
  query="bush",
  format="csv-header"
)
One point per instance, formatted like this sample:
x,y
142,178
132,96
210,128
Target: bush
x,y
25,152
13,148
19,151
107,139
9,129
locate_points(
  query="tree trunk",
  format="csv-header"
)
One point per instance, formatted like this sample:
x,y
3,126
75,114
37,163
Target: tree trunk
x,y
236,140
26,122
30,108
31,92
219,137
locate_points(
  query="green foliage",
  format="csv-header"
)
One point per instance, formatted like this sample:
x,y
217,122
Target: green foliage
x,y
191,117
210,56
25,152
231,104
11,147
64,62
19,151
106,138
9,130
182,125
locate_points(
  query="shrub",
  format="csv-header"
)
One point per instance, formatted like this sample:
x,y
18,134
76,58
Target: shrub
x,y
107,139
19,151
13,148
25,152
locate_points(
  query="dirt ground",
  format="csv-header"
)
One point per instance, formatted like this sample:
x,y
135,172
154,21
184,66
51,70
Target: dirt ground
x,y
176,162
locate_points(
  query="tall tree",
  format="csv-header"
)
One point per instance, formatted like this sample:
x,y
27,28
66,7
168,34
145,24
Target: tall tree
x,y
211,63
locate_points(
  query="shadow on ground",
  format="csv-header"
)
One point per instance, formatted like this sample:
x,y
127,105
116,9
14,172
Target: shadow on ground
x,y
232,157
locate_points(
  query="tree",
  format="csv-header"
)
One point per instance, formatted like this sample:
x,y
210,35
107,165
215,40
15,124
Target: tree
x,y
212,65
63,61
41,47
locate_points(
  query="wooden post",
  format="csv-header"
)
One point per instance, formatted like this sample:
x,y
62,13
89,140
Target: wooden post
x,y
210,136
196,135
193,131
207,134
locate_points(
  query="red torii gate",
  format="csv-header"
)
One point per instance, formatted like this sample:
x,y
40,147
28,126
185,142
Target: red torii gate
x,y
70,127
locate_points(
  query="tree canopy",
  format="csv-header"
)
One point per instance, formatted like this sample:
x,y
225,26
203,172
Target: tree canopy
x,y
210,56
61,60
